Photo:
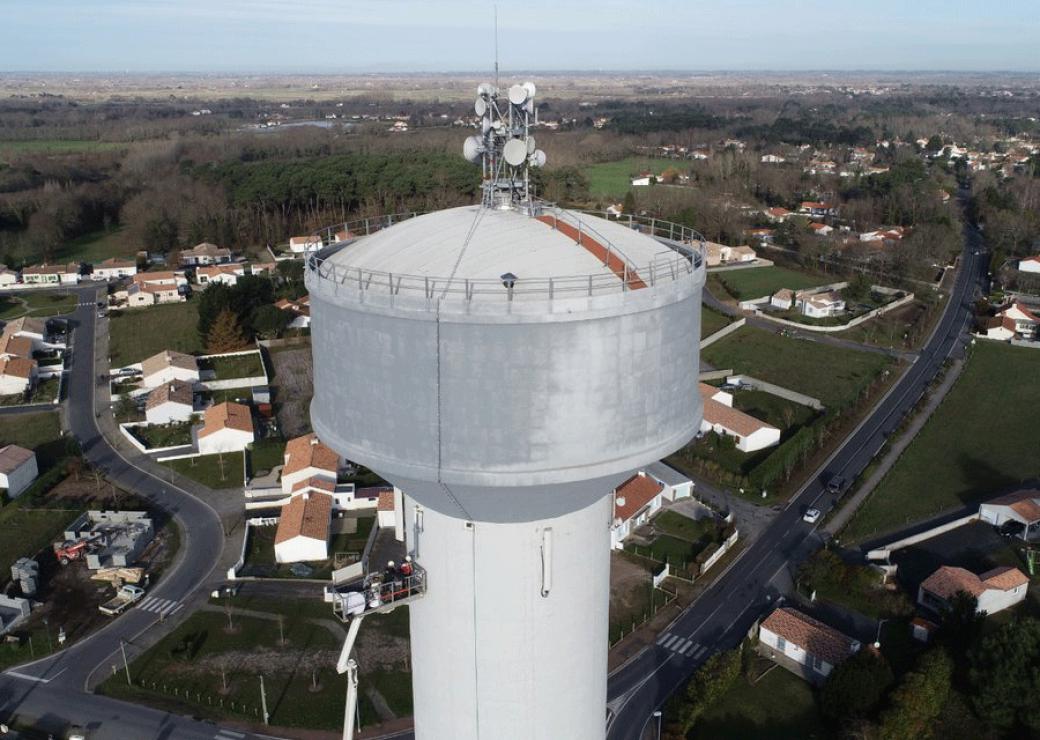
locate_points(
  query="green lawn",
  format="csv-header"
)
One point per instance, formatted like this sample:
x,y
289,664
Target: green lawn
x,y
779,707
236,366
137,333
100,245
260,561
264,455
38,432
761,281
27,531
693,530
984,436
215,471
785,415
614,178
712,321
40,303
57,146
836,376
163,435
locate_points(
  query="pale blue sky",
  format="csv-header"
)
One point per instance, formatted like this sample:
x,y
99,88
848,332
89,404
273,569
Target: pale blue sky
x,y
455,35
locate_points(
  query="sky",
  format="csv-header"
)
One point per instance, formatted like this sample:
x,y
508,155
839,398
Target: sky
x,y
344,36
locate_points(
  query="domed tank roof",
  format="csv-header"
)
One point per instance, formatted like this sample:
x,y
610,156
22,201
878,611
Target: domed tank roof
x,y
477,243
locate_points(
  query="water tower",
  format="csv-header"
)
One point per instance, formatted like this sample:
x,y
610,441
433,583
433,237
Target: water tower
x,y
507,365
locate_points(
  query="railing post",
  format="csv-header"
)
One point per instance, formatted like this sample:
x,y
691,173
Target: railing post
x,y
653,226
590,286
550,289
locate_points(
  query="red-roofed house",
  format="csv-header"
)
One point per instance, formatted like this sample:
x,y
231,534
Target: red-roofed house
x,y
635,501
1021,506
806,642
750,434
305,458
227,427
300,310
303,528
994,590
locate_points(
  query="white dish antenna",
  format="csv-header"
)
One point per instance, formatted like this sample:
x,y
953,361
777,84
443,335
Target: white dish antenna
x,y
518,95
531,89
537,158
515,152
530,145
480,106
473,149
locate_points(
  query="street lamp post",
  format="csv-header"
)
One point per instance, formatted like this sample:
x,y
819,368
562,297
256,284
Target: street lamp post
x,y
657,715
877,637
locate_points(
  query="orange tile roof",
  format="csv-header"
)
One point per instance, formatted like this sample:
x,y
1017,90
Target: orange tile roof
x,y
716,412
386,500
168,358
28,324
226,415
176,391
1024,503
634,494
949,580
115,263
810,634
307,452
16,346
70,269
306,515
17,367
314,482
214,270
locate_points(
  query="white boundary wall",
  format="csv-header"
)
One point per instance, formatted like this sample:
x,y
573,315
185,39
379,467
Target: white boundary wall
x,y
724,331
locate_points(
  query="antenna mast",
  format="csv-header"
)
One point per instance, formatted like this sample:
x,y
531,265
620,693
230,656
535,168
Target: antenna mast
x,y
496,45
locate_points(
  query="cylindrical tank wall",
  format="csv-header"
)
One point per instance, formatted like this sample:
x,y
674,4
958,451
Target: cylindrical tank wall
x,y
510,640
519,401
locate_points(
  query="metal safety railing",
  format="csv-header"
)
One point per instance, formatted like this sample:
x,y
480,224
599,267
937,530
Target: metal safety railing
x,y
684,256
380,592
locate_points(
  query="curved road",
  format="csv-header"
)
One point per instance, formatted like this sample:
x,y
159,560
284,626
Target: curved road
x,y
55,688
725,613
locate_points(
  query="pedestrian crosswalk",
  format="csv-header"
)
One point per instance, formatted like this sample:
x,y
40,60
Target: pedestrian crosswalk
x,y
162,607
680,645
228,735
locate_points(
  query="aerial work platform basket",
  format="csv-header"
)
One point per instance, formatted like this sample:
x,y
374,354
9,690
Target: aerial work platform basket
x,y
379,592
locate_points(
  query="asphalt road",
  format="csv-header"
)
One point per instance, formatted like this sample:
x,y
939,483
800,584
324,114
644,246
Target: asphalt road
x,y
725,613
54,688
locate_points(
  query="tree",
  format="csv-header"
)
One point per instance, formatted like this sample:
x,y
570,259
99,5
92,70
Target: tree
x,y
935,143
855,688
269,322
1004,673
628,205
225,335
919,699
708,685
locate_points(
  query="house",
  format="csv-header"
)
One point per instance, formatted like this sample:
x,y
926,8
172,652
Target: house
x,y
30,327
1014,321
300,310
994,590
1020,506
143,296
114,269
302,244
643,179
722,254
782,299
805,646
226,274
7,277
173,278
821,305
305,458
227,427
17,469
817,209
12,345
821,229
303,528
386,507
1027,264
764,236
204,254
771,159
749,433
168,366
170,402
51,274
614,210
17,374
635,501
776,215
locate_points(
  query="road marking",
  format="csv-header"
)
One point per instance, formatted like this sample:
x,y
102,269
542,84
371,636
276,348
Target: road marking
x,y
36,679
228,734
682,648
699,652
664,636
144,604
671,640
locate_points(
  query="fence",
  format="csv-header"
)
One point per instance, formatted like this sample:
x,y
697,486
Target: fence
x,y
883,553
724,331
661,575
125,429
232,572
723,549
776,390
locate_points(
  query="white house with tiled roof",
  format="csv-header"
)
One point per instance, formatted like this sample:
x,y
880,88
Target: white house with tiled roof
x,y
304,526
204,254
749,434
305,458
301,244
299,309
1029,264
815,647
51,274
226,274
1020,506
227,427
28,326
114,268
18,469
7,277
994,590
167,366
170,402
640,497
17,375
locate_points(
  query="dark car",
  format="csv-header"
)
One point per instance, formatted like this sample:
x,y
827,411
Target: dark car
x,y
838,485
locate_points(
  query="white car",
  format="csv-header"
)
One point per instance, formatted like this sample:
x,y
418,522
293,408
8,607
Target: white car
x,y
812,516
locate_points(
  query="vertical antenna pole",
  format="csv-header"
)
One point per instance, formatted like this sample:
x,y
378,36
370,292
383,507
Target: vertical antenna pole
x,y
496,46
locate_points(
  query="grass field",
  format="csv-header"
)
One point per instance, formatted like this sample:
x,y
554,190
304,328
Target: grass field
x,y
56,146
100,245
264,455
780,706
36,303
215,471
260,559
614,178
761,281
40,433
236,366
835,376
983,437
137,333
27,531
712,321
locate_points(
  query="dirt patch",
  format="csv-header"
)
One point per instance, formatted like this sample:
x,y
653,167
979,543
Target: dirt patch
x,y
85,488
628,585
293,386
377,651
259,660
